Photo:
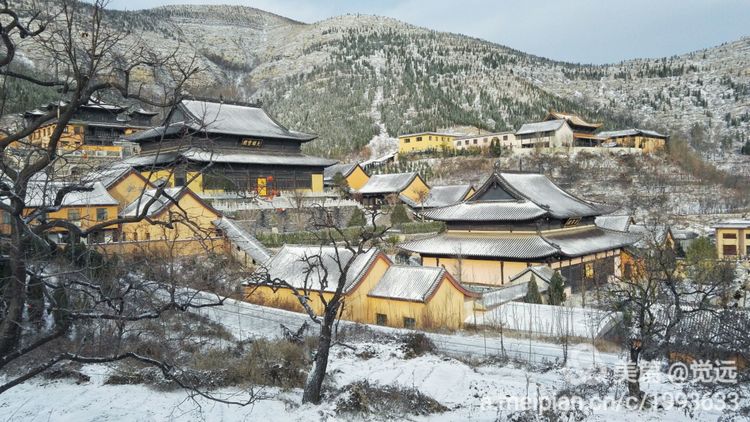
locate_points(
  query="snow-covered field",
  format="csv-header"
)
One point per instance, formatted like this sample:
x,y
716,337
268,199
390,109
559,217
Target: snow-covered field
x,y
486,390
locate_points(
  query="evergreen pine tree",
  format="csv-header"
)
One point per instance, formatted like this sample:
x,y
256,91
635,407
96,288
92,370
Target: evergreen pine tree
x,y
556,290
398,215
532,294
357,219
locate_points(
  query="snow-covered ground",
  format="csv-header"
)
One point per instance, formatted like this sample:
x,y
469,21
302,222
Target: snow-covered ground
x,y
483,393
485,390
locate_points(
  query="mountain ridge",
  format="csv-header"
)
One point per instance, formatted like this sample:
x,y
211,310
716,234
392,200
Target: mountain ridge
x,y
379,76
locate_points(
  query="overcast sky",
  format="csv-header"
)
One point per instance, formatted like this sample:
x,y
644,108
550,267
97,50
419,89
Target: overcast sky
x,y
593,31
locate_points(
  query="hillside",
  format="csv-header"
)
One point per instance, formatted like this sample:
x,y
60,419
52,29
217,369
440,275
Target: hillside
x,y
352,77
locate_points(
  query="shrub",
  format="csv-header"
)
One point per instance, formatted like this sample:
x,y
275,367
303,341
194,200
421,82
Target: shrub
x,y
416,344
357,219
399,215
391,402
532,294
556,291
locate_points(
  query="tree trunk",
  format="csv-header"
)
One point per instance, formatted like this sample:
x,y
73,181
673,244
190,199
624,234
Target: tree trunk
x,y
14,294
35,292
634,371
314,383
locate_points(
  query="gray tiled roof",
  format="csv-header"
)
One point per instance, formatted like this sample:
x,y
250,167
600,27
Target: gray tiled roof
x,y
733,224
138,206
108,175
542,272
614,222
344,168
630,132
387,183
243,240
568,243
206,156
241,120
589,240
500,246
560,204
408,283
289,265
487,211
441,196
44,193
157,132
538,127
152,159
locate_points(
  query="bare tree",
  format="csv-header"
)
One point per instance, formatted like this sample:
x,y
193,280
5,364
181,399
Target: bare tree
x,y
78,287
658,294
326,274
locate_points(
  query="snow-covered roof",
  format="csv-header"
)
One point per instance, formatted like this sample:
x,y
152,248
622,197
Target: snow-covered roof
x,y
206,156
109,175
518,196
631,132
474,245
619,223
152,159
41,194
442,196
540,127
138,206
542,272
388,183
574,119
517,210
588,240
567,243
306,266
243,240
408,283
344,168
235,119
733,224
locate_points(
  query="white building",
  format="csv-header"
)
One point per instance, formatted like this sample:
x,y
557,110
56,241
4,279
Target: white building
x,y
551,133
485,141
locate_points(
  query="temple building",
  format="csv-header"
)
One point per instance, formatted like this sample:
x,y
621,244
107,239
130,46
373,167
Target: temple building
x,y
353,173
95,129
390,188
517,220
547,134
583,131
215,147
647,140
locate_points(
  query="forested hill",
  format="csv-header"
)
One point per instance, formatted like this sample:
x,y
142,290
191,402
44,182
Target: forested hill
x,y
352,77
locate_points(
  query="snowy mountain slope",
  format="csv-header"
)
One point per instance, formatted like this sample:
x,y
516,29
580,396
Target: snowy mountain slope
x,y
326,76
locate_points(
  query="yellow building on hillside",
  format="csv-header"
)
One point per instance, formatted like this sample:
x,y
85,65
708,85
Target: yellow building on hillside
x,y
647,140
425,141
355,175
733,239
386,188
376,290
518,220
